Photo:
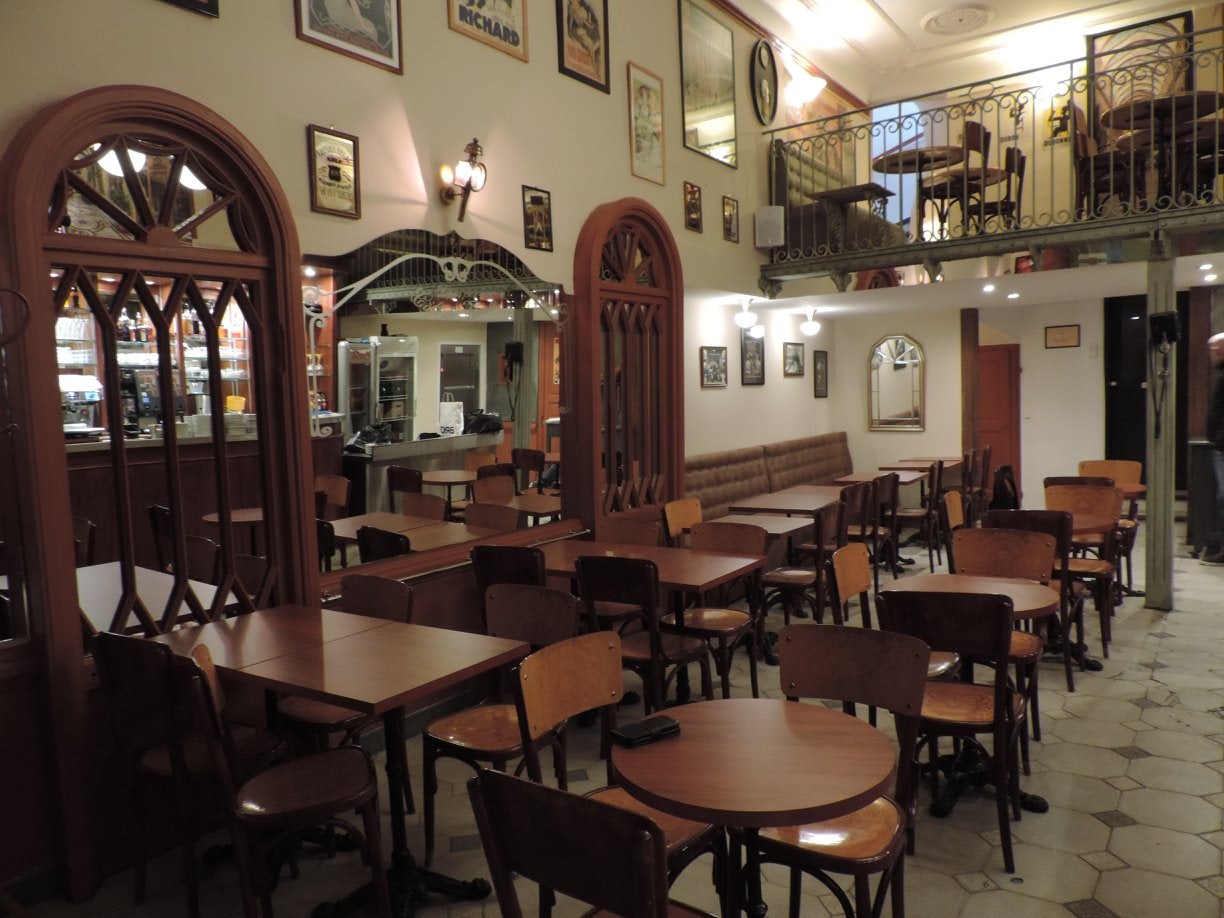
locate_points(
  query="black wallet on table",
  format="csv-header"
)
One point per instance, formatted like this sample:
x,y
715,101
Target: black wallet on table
x,y
650,730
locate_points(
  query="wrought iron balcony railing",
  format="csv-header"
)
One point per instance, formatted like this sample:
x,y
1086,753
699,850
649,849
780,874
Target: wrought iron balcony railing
x,y
1106,146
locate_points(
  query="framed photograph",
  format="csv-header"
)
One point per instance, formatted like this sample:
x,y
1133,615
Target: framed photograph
x,y
707,83
792,359
752,359
501,24
713,368
1062,336
820,374
335,182
207,7
537,219
645,124
692,207
369,31
1024,264
1162,44
582,41
730,219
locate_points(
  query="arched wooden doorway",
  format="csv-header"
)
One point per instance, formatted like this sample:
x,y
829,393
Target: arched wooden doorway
x,y
623,398
122,205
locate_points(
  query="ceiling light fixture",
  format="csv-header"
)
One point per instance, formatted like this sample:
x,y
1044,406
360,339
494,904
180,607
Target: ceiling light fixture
x,y
1209,277
745,318
811,326
988,288
757,331
1013,296
1207,267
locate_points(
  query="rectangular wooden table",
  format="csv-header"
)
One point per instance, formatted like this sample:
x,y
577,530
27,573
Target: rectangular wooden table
x,y
679,568
801,499
100,588
536,506
346,527
438,535
907,477
366,664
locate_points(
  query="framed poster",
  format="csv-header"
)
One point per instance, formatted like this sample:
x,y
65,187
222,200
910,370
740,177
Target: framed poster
x,y
820,374
207,7
369,31
537,219
707,83
335,182
730,219
501,24
713,367
582,41
1062,336
792,359
692,207
752,359
645,124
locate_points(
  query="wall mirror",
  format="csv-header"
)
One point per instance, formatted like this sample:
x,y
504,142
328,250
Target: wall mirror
x,y
894,384
707,83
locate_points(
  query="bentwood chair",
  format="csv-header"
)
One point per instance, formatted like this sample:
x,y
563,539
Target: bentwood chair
x,y
1121,471
506,564
325,535
269,809
725,629
951,518
956,185
679,516
581,847
926,517
333,504
830,532
1098,573
830,662
426,506
472,462
556,684
978,627
490,732
401,480
878,528
1006,206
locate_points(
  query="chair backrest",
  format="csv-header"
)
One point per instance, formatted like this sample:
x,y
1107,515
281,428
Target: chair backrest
x,y
426,506
401,480
196,679
377,597
336,489
531,463
954,510
885,490
137,676
374,544
1127,471
474,461
603,855
563,680
84,531
858,502
1094,500
535,614
975,138
679,516
257,577
630,530
982,469
507,564
968,471
632,581
852,575
203,559
995,552
501,517
728,537
1054,523
494,469
161,521
1005,495
325,536
493,489
831,527
974,625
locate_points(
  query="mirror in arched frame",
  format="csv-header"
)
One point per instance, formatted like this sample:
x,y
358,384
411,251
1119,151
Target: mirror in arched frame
x,y
895,371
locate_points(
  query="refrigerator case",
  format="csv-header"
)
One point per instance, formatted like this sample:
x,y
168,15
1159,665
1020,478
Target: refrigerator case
x,y
377,384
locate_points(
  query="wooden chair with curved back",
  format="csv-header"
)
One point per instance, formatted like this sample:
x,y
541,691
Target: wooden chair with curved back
x,y
679,516
532,463
926,518
498,517
559,682
426,506
977,627
1006,206
957,184
273,806
653,654
336,488
877,525
374,544
829,533
1029,555
951,518
725,629
493,489
1121,471
826,662
490,732
851,576
401,480
506,564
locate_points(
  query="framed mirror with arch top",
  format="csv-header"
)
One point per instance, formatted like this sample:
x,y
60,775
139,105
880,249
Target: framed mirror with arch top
x,y
895,371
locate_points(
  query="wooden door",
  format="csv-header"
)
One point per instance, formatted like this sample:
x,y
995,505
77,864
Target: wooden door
x,y
548,389
999,404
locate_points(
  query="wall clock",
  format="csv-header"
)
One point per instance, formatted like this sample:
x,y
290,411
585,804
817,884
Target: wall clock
x,y
764,77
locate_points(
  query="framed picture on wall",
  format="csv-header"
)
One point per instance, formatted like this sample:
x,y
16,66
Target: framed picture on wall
x,y
645,124
537,219
752,359
730,219
582,41
820,374
368,32
501,25
792,359
692,207
207,7
713,367
335,182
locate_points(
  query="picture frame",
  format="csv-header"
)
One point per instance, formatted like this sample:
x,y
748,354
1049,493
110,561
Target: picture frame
x,y
499,25
204,7
763,73
752,359
1062,336
647,158
335,172
792,359
713,367
707,83
692,207
537,219
582,42
730,213
373,36
820,374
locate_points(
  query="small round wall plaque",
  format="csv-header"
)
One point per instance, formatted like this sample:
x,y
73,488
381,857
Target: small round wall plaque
x,y
764,76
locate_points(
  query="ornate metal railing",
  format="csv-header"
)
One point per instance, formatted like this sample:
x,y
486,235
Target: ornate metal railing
x,y
1105,147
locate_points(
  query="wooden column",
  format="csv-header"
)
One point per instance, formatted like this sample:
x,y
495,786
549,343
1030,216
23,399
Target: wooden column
x,y
1161,435
969,379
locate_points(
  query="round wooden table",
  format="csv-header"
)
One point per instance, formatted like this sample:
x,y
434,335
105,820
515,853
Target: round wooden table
x,y
448,478
251,517
757,762
1176,107
918,160
1029,598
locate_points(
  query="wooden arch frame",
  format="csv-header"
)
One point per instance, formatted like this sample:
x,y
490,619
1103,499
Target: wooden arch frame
x,y
625,254
28,172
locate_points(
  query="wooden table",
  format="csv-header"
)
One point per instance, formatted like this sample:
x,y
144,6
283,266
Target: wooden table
x,y
346,527
536,506
366,664
439,535
448,478
1163,118
919,159
759,762
251,517
906,477
100,588
801,499
775,525
1029,598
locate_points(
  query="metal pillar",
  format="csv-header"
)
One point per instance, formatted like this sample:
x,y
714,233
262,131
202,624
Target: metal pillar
x,y
1161,433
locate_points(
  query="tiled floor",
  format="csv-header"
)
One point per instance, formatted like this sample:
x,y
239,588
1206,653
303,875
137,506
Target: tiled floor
x,y
1132,764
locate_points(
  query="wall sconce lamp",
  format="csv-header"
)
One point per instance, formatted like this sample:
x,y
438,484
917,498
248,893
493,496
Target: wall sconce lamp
x,y
466,176
811,326
745,318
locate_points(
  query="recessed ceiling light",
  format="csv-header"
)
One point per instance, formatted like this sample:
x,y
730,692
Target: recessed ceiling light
x,y
1013,296
1209,277
988,288
308,271
1205,267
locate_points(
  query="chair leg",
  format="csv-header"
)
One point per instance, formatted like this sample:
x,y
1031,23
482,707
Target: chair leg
x,y
1002,753
796,892
430,780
